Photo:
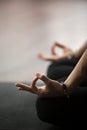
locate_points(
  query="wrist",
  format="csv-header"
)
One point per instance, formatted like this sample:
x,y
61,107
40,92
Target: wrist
x,y
71,85
65,90
71,55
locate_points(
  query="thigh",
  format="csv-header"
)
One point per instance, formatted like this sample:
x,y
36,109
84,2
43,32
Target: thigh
x,y
60,68
60,111
60,71
71,62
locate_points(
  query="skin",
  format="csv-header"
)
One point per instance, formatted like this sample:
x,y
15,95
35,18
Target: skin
x,y
79,73
52,88
55,56
67,52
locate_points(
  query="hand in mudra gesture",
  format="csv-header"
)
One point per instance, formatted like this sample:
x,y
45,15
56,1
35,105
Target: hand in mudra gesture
x,y
66,52
51,88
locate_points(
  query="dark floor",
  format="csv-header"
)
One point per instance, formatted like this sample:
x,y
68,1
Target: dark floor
x,y
17,110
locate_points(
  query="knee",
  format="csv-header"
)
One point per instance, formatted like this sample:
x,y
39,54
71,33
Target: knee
x,y
49,110
42,111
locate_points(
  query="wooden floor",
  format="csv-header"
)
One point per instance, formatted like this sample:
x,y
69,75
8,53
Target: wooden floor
x,y
28,27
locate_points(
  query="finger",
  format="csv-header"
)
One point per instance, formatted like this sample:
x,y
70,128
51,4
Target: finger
x,y
60,45
39,55
22,86
42,77
53,52
42,56
34,82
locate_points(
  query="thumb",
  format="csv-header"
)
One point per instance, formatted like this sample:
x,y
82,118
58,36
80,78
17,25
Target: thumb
x,y
42,77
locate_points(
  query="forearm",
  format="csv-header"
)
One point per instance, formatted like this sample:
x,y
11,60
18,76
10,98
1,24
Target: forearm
x,y
78,53
78,74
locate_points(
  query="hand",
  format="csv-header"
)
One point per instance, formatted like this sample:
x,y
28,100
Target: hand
x,y
51,88
54,56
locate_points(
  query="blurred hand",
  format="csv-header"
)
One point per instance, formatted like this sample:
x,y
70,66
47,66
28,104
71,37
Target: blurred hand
x,y
51,88
55,56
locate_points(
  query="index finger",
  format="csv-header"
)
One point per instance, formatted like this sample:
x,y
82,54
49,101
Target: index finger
x,y
25,87
34,82
60,45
